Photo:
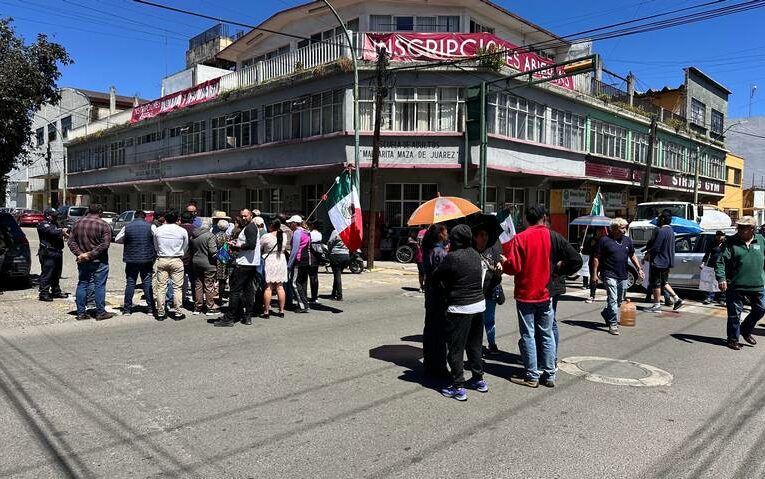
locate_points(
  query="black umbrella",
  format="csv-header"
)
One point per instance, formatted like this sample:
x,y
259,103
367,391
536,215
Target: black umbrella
x,y
489,222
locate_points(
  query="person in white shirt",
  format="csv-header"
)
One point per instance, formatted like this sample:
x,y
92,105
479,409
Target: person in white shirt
x,y
171,242
242,296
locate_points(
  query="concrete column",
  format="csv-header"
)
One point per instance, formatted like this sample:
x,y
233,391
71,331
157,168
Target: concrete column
x,y
112,100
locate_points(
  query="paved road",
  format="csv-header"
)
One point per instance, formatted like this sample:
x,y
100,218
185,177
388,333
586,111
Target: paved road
x,y
337,393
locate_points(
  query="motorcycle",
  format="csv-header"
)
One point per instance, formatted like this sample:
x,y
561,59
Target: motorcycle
x,y
356,265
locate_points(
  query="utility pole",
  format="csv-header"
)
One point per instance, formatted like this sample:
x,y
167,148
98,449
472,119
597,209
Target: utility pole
x,y
47,178
696,176
649,159
380,93
482,152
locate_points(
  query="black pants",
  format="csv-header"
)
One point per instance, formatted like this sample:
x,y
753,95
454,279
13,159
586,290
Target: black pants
x,y
464,334
313,276
298,284
242,293
338,263
50,272
433,335
258,284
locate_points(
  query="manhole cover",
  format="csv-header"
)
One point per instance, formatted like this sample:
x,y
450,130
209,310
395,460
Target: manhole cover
x,y
618,372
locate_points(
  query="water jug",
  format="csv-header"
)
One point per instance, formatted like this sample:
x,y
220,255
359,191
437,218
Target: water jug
x,y
627,313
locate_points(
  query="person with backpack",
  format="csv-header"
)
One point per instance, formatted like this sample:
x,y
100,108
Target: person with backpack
x,y
204,251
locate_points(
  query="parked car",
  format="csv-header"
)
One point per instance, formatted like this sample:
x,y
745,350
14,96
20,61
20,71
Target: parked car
x,y
30,218
689,251
18,259
67,215
125,218
109,217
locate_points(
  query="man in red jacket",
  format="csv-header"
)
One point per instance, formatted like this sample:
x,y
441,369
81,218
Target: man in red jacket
x,y
536,257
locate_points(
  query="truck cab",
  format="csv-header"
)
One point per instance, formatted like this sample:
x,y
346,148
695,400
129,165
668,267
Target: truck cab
x,y
641,228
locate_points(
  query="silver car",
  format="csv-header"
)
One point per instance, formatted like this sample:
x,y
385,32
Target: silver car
x,y
689,251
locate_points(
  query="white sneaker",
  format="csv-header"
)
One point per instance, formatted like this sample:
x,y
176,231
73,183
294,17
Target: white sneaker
x,y
655,308
614,330
589,300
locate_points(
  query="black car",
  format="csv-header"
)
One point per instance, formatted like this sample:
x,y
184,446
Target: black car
x,y
18,260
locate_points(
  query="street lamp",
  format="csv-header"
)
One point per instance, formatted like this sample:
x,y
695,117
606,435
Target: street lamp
x,y
355,92
751,95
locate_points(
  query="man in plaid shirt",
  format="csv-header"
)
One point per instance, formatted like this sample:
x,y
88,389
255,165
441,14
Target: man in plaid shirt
x,y
89,241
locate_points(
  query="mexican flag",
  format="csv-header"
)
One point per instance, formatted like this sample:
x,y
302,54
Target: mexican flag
x,y
345,210
598,209
508,231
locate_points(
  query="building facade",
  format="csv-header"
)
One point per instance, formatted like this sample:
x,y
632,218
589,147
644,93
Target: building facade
x,y
733,201
42,182
274,133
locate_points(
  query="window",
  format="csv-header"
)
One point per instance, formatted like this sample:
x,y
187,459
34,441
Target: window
x,y
401,199
143,202
193,138
491,199
542,197
639,147
476,27
40,136
380,23
390,23
312,197
515,198
716,124
117,153
415,109
608,140
66,126
234,130
698,112
437,24
51,132
674,157
404,24
177,201
208,204
256,199
516,117
277,201
306,116
736,176
566,130
224,201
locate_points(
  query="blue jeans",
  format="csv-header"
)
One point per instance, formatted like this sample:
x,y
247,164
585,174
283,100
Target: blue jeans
x,y
735,303
555,332
536,319
489,322
95,272
146,272
615,289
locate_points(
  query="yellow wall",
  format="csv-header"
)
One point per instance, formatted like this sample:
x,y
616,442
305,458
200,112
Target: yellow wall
x,y
671,100
734,193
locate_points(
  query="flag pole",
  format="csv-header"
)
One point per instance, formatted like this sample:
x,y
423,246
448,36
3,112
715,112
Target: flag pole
x,y
326,194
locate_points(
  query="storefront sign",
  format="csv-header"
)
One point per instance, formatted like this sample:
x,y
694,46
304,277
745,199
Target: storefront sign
x,y
576,199
182,99
409,47
660,178
614,201
413,151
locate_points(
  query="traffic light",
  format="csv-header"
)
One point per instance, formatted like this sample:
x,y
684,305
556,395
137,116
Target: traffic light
x,y
475,109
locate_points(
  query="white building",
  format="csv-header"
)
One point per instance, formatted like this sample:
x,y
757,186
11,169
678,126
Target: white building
x,y
274,133
42,183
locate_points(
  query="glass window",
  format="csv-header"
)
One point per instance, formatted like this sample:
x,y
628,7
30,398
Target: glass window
x,y
51,132
639,147
40,136
401,199
608,140
698,112
717,122
404,24
449,23
427,24
566,130
380,23
66,126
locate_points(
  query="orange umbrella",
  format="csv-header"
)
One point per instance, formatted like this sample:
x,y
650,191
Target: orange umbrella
x,y
440,209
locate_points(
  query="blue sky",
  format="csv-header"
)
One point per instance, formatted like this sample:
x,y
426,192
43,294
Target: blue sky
x,y
132,46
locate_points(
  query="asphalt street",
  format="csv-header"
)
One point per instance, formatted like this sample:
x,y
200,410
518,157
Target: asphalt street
x,y
338,393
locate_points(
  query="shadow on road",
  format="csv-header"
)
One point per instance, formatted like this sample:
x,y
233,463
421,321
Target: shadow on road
x,y
695,338
408,357
566,297
585,324
325,308
413,338
409,288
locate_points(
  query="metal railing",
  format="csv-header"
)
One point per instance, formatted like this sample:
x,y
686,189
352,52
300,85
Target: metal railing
x,y
289,63
599,89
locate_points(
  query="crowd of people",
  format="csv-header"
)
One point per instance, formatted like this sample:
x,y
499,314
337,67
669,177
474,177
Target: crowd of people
x,y
185,262
461,276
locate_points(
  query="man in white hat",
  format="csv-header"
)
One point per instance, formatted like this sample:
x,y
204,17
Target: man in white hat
x,y
739,274
298,263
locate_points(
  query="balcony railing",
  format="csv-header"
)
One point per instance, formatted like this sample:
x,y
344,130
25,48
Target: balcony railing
x,y
295,61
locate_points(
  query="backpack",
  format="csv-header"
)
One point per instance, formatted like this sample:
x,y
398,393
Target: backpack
x,y
224,254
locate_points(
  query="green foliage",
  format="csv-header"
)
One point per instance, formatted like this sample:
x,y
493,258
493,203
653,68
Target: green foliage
x,y
27,81
490,58
675,123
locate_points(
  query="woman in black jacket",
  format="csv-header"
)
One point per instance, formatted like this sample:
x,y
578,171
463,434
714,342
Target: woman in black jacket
x,y
461,276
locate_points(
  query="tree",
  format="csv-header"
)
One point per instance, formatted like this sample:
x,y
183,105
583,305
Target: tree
x,y
27,81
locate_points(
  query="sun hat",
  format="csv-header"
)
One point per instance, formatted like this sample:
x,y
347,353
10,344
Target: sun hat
x,y
746,221
220,215
295,219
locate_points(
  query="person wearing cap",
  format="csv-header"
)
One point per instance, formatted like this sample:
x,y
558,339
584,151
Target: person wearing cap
x,y
316,253
51,255
298,263
739,273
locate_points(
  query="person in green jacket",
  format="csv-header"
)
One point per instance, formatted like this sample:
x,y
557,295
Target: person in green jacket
x,y
739,272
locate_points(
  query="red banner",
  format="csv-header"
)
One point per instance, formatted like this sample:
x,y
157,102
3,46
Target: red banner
x,y
408,47
175,101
